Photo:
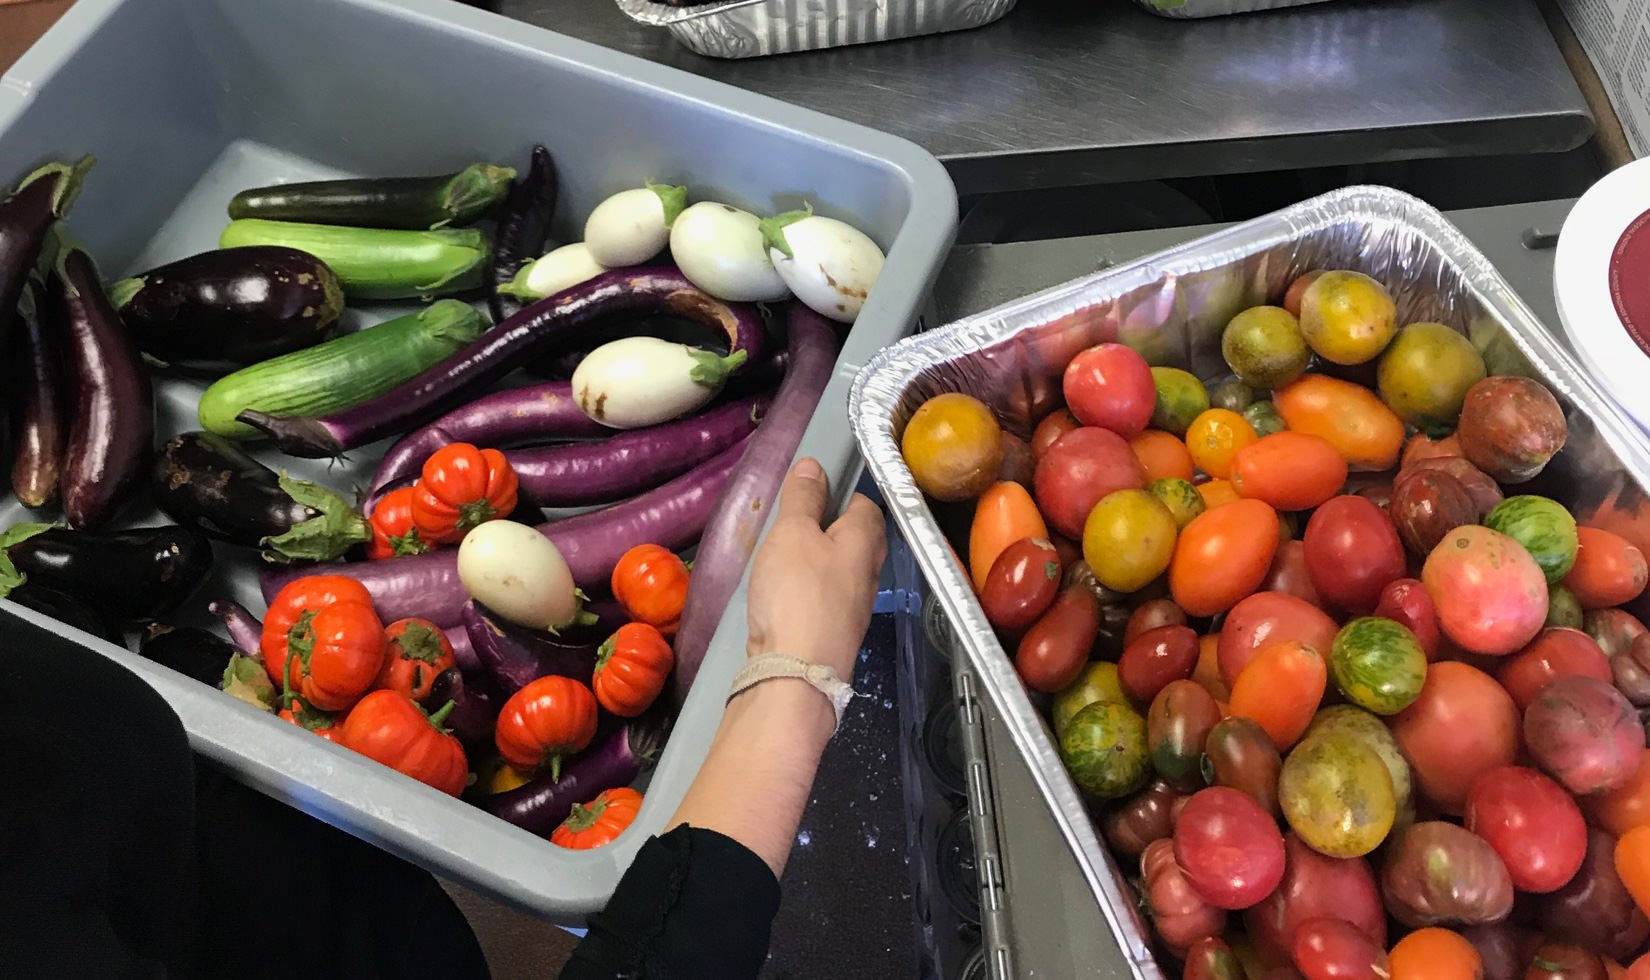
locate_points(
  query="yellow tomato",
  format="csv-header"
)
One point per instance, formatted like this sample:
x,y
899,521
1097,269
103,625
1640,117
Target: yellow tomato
x,y
1128,539
953,446
1215,437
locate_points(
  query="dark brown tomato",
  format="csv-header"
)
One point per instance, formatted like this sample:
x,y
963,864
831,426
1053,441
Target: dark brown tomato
x,y
1437,873
1108,643
1314,886
1614,630
1594,910
1142,818
1562,961
1585,734
1426,505
1054,650
1510,427
1022,583
1151,614
1379,494
1485,492
1238,753
1630,671
1177,725
1503,947
1154,658
1018,465
1288,573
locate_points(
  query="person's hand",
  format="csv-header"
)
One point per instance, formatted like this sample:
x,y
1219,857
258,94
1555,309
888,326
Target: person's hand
x,y
812,590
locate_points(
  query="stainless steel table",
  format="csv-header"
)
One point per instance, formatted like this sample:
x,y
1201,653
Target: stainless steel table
x,y
1048,925
1073,92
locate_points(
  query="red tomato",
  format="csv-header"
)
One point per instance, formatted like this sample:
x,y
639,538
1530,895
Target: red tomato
x,y
1022,584
1054,650
1151,614
1289,470
1267,618
1353,552
1461,726
1328,948
1608,570
1179,914
1556,652
1222,556
1111,386
1532,823
1054,425
1315,885
1289,573
1280,690
1154,658
1406,601
1229,848
1491,595
1079,469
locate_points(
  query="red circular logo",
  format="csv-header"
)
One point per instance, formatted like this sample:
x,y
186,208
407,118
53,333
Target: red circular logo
x,y
1630,280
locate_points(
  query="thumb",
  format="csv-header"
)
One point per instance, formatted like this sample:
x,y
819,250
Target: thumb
x,y
805,493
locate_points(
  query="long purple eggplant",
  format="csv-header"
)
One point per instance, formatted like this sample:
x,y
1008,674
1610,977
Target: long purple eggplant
x,y
38,425
558,320
536,413
428,586
476,702
26,215
523,230
539,806
245,631
113,416
516,657
730,535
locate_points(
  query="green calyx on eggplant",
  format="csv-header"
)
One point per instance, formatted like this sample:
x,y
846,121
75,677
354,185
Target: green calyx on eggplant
x,y
233,306
245,679
206,481
134,575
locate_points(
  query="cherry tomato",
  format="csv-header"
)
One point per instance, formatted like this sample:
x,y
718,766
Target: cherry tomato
x,y
1018,465
1229,848
1422,446
1532,823
1212,959
1268,618
1142,818
1222,556
1608,570
1289,470
1022,584
1615,630
1216,493
1054,425
1315,885
1353,552
1154,658
1461,726
1004,514
1241,755
1289,573
1620,810
1297,289
1435,954
1151,614
1128,539
1348,416
1280,690
1162,456
1207,671
1562,961
1555,652
1214,439
1179,913
1111,386
953,446
1078,471
1327,948
1177,725
1053,651
1406,601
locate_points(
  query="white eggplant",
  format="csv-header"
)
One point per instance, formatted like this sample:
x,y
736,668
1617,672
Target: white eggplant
x,y
552,272
519,574
633,226
830,265
640,381
722,251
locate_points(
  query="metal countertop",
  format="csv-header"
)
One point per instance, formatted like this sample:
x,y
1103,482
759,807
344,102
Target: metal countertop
x,y
1073,92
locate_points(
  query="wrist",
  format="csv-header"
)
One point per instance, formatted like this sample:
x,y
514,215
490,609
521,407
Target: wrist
x,y
791,704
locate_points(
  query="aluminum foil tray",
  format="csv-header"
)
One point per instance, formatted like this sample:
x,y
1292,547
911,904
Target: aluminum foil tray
x,y
753,28
1188,9
1172,308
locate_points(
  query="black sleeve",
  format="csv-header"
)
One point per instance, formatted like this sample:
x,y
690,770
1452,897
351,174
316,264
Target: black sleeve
x,y
694,903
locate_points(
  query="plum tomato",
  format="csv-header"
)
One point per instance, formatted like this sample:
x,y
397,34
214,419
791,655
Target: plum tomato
x,y
1327,948
1313,886
1128,539
1337,795
1347,415
1461,726
1004,513
1054,425
1532,823
1510,427
1239,754
1435,953
1177,725
1154,658
1584,733
1490,594
953,446
1222,556
1054,649
1265,618
1229,848
1179,913
1297,289
1214,439
1083,466
1352,552
1437,873
1555,652
1022,584
1110,386
1281,690
1406,601
1289,470
1608,570
1349,719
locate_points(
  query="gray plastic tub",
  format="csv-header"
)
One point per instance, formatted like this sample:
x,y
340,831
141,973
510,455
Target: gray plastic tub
x,y
186,101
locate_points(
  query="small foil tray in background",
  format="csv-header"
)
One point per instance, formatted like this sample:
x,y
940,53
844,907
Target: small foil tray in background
x,y
1190,9
1172,307
754,28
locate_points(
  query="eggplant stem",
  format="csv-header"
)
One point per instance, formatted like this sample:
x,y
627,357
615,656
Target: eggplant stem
x,y
295,435
473,190
122,292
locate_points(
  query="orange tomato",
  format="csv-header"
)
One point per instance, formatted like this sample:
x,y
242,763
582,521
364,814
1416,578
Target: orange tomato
x,y
1435,954
1222,556
1639,969
1608,570
1054,425
1613,970
1162,456
1349,416
1421,446
1004,514
1633,864
1280,691
1620,810
1216,493
1215,437
953,446
1289,470
1207,671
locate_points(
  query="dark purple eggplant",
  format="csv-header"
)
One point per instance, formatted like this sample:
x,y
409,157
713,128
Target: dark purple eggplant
x,y
539,806
547,325
140,574
205,480
428,586
731,534
523,230
26,215
38,424
245,631
233,306
190,651
113,414
69,611
412,203
516,656
476,702
632,462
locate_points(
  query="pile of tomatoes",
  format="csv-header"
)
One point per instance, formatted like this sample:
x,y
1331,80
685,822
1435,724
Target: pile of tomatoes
x,y
1356,703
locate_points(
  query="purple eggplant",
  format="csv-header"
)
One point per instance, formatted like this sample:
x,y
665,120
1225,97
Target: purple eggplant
x,y
133,575
189,650
540,805
523,230
233,306
476,702
463,651
70,611
516,656
731,533
26,215
38,429
427,585
537,413
113,415
550,323
245,631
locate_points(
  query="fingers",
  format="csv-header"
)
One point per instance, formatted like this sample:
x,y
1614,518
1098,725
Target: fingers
x,y
805,493
860,532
